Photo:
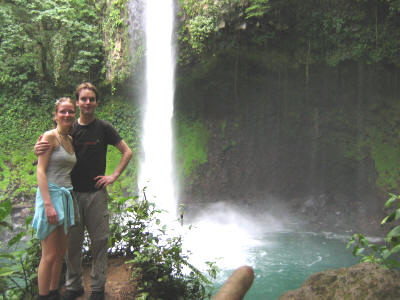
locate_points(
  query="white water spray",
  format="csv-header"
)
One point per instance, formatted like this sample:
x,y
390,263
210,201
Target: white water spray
x,y
219,235
209,238
156,170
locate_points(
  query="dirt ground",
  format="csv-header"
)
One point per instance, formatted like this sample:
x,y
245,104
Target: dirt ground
x,y
119,285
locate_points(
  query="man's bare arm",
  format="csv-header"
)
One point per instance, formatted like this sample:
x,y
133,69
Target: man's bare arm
x,y
103,181
41,147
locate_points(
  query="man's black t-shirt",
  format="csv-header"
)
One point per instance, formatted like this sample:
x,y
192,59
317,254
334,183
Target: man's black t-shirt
x,y
90,143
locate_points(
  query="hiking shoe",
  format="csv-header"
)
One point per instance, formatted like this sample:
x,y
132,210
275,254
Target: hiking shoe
x,y
72,295
97,296
54,295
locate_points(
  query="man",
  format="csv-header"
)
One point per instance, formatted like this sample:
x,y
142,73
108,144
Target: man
x,y
90,138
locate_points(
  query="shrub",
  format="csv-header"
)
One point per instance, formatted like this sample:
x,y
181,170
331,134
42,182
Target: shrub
x,y
384,254
18,272
161,268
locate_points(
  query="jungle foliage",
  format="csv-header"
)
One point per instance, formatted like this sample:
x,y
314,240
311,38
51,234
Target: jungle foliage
x,y
119,62
46,46
161,265
303,32
386,254
46,49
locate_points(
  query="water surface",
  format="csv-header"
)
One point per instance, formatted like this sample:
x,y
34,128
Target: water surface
x,y
282,260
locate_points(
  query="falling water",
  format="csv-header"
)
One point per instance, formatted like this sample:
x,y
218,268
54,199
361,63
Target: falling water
x,y
282,259
156,171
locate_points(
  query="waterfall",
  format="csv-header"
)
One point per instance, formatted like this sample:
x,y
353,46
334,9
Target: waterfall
x,y
156,168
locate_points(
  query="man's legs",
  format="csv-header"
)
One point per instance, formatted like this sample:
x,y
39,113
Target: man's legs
x,y
97,224
73,256
93,210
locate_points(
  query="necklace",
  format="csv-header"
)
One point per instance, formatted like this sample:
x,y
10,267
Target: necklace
x,y
63,135
66,141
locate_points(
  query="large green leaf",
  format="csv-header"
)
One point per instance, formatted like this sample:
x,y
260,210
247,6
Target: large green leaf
x,y
392,251
394,233
6,271
391,200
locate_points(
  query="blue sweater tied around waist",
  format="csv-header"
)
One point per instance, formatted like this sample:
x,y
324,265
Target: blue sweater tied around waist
x,y
63,203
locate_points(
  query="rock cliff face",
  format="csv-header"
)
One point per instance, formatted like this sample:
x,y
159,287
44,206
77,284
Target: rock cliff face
x,y
276,141
360,282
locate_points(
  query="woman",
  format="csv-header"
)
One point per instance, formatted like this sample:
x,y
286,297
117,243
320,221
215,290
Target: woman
x,y
54,210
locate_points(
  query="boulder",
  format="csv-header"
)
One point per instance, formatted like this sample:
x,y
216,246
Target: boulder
x,y
359,282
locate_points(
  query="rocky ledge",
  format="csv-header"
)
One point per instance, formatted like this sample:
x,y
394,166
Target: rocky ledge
x,y
364,281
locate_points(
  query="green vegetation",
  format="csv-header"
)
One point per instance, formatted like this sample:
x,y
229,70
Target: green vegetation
x,y
46,48
304,33
18,270
17,158
161,268
386,156
385,254
227,142
192,142
377,140
125,117
119,62
381,139
48,45
24,125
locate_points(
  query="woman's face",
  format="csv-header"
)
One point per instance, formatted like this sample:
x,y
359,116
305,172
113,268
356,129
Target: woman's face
x,y
65,114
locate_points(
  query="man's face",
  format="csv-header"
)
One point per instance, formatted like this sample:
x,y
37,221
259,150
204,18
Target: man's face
x,y
87,102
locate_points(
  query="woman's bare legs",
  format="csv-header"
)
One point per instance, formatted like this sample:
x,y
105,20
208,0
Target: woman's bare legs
x,y
61,249
53,250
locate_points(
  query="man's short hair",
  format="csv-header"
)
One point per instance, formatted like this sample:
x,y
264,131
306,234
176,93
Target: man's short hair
x,y
86,85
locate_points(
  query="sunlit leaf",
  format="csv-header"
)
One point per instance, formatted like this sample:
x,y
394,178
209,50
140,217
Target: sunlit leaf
x,y
388,218
394,233
397,214
7,271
